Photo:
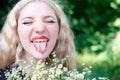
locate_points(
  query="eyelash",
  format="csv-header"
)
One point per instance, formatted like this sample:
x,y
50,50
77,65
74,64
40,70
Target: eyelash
x,y
51,21
27,22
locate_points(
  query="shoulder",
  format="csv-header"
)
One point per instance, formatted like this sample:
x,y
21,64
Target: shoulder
x,y
2,74
4,71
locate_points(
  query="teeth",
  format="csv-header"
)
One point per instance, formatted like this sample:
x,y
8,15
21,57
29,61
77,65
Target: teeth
x,y
40,41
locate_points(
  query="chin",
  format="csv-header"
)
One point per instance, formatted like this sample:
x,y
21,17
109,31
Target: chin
x,y
41,57
38,55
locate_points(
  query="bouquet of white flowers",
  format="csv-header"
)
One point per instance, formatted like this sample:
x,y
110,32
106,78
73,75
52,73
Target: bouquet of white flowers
x,y
56,71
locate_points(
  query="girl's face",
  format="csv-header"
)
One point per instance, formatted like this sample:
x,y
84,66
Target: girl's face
x,y
38,29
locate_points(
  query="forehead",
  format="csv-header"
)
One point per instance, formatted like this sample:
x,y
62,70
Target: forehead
x,y
38,7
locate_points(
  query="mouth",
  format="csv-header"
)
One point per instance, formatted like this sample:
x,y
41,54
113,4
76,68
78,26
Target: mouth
x,y
40,43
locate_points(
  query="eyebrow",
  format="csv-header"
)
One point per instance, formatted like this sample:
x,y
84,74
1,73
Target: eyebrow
x,y
26,17
44,17
49,16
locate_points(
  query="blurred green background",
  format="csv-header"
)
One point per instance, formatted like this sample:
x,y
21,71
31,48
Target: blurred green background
x,y
96,26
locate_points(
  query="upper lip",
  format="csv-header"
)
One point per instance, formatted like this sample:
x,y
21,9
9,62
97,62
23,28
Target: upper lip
x,y
39,38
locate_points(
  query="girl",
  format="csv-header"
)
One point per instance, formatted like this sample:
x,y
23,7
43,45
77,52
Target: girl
x,y
35,28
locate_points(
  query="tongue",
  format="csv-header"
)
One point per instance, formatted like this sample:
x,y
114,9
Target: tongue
x,y
40,46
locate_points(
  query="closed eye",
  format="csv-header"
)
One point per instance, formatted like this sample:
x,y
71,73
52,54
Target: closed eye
x,y
27,23
51,21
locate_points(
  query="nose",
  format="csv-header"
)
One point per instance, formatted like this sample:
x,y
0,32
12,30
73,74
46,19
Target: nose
x,y
39,27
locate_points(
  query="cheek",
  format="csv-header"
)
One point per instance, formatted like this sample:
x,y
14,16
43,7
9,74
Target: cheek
x,y
54,34
23,30
54,31
23,33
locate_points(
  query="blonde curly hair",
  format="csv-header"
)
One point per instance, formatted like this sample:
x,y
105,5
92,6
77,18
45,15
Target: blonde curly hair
x,y
9,41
